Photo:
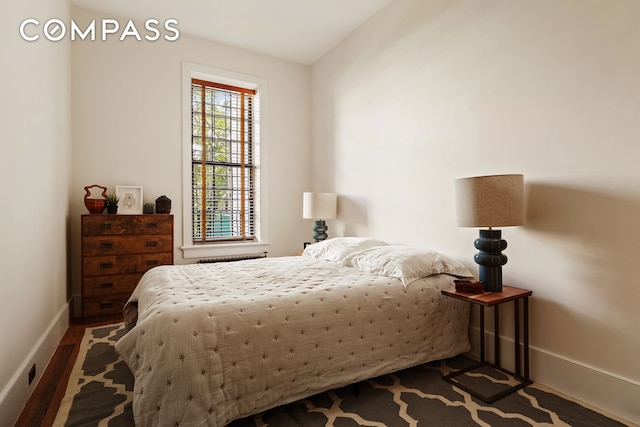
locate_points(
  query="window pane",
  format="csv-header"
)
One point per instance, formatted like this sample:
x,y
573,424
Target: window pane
x,y
227,194
196,179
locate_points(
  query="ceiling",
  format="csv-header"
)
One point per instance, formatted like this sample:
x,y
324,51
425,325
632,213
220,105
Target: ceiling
x,y
296,30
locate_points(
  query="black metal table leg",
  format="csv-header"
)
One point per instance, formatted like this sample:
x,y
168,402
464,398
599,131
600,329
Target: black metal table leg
x,y
482,334
525,304
496,335
516,323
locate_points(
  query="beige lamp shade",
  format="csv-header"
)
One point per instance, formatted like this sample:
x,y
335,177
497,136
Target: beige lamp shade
x,y
490,201
319,205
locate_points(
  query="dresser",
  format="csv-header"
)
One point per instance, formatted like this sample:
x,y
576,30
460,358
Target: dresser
x,y
116,251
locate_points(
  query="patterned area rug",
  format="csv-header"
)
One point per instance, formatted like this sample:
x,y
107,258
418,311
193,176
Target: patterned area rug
x,y
100,390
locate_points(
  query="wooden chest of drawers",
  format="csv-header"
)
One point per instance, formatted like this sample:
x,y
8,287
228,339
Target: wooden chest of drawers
x,y
116,251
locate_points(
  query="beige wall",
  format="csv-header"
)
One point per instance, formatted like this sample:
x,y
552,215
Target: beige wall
x,y
127,126
427,92
35,154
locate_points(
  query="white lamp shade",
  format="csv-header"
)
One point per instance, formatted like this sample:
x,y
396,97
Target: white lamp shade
x,y
490,201
319,205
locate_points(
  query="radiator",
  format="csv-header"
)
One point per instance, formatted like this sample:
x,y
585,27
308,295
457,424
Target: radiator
x,y
228,258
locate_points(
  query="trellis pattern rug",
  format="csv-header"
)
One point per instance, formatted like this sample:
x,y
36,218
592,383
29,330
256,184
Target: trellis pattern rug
x,y
100,388
100,392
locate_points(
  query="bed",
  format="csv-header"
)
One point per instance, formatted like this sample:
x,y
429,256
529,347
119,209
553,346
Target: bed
x,y
211,343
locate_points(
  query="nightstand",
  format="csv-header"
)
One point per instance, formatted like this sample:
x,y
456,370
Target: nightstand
x,y
521,375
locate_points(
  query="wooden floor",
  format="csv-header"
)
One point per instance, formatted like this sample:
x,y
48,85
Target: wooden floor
x,y
42,407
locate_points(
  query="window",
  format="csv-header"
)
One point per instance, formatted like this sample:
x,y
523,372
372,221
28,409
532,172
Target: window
x,y
222,162
224,156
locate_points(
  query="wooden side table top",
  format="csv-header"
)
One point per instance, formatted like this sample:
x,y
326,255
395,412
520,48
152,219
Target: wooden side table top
x,y
509,293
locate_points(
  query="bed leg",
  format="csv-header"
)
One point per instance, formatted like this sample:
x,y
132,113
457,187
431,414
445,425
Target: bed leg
x,y
356,389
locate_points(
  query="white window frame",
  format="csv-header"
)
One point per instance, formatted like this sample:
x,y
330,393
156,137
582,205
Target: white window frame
x,y
205,250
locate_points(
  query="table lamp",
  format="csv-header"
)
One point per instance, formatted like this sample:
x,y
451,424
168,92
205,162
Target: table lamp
x,y
490,201
319,206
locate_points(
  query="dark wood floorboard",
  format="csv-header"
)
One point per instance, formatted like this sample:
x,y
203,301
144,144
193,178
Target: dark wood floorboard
x,y
42,407
58,366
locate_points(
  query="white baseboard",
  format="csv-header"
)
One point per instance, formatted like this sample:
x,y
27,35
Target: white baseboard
x,y
17,392
613,394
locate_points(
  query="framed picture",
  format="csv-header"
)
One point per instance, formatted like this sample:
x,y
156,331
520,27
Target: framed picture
x,y
130,199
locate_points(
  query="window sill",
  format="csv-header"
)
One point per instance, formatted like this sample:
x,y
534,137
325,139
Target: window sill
x,y
224,249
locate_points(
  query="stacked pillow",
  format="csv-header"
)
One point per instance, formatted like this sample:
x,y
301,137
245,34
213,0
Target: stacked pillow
x,y
378,257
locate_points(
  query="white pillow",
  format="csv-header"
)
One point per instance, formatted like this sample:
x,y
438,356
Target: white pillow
x,y
337,249
405,263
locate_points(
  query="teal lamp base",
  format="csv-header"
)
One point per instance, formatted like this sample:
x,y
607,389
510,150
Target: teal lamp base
x,y
320,230
490,259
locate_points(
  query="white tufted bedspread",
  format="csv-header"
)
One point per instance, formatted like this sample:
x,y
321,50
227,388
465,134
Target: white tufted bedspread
x,y
217,342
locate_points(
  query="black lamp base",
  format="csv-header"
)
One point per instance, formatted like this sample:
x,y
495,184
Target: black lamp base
x,y
320,231
490,259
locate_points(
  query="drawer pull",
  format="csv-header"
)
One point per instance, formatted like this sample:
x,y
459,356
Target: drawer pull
x,y
152,225
151,244
106,265
105,225
106,285
153,262
106,245
106,305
